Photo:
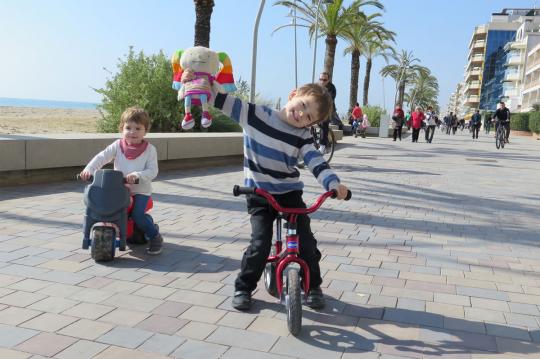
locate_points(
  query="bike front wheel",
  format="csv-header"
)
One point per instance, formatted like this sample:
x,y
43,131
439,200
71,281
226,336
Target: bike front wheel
x,y
293,301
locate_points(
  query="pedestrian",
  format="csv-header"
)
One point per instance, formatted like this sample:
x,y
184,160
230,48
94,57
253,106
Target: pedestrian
x,y
398,117
487,122
448,122
416,122
356,118
364,125
476,123
455,124
430,124
324,80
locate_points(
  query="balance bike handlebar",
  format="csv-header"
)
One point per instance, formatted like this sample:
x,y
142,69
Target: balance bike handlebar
x,y
237,191
91,179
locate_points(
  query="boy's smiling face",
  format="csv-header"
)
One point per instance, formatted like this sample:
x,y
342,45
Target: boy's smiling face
x,y
301,111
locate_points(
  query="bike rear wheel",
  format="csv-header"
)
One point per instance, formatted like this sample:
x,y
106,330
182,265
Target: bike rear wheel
x,y
293,301
103,244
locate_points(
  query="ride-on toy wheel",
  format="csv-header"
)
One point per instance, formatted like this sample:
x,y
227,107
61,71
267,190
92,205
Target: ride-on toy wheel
x,y
103,244
293,301
270,279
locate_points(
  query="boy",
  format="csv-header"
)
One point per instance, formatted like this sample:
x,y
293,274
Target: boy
x,y
273,143
137,159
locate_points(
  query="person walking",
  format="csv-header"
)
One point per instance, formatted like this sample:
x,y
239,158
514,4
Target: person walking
x,y
430,124
448,122
324,80
416,122
476,123
455,124
356,118
487,123
398,117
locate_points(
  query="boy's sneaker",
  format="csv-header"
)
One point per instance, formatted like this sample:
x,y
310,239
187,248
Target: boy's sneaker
x,y
315,298
241,300
156,245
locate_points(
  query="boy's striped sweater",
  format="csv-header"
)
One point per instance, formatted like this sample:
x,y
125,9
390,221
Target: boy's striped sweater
x,y
272,148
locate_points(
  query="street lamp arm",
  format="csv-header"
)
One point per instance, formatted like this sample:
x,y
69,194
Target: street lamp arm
x,y
254,52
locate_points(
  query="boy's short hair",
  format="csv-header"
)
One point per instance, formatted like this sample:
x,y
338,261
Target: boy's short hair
x,y
322,98
135,114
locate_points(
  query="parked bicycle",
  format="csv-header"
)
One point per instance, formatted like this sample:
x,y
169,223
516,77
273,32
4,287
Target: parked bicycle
x,y
281,279
330,146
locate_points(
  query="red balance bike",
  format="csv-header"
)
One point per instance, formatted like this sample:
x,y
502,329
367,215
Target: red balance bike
x,y
280,280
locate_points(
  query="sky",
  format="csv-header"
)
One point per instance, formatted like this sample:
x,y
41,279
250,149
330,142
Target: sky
x,y
63,49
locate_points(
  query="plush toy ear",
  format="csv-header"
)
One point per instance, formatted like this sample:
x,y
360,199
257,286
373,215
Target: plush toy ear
x,y
225,75
177,69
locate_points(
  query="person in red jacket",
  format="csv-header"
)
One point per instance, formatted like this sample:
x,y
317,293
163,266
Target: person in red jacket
x,y
416,122
356,118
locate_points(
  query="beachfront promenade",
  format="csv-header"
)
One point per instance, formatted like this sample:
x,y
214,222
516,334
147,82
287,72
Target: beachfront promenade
x,y
437,255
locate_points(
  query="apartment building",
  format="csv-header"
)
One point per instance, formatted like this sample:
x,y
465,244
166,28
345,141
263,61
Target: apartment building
x,y
496,61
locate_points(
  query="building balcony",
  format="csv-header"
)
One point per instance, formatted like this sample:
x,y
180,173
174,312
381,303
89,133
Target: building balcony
x,y
510,92
512,76
473,99
478,58
479,44
474,73
514,61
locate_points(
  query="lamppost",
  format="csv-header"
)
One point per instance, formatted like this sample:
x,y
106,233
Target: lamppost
x,y
254,53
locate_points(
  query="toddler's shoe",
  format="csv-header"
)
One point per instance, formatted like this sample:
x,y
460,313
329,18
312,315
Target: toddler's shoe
x,y
156,245
241,300
206,120
188,122
322,149
315,298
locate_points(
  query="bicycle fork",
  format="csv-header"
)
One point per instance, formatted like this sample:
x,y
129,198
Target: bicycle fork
x,y
289,255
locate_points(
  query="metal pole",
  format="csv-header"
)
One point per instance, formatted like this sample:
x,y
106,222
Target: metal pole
x,y
315,47
254,53
295,51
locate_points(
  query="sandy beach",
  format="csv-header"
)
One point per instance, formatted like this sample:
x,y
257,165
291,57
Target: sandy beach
x,y
32,120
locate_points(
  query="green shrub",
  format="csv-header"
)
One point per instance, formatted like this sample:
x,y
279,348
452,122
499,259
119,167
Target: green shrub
x,y
374,114
520,121
146,81
534,121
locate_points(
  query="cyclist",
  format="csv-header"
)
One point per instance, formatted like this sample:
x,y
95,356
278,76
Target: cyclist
x,y
502,116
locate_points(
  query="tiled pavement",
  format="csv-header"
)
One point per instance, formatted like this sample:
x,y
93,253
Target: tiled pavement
x,y
435,256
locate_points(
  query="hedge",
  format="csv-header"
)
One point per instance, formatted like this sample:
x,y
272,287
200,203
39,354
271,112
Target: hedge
x,y
520,121
534,122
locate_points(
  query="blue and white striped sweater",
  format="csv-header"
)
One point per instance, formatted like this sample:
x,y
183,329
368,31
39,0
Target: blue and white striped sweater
x,y
272,148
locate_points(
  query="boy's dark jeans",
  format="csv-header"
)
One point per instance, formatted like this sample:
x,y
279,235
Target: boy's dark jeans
x,y
262,225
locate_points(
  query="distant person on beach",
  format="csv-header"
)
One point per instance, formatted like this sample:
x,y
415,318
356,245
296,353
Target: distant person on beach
x,y
137,160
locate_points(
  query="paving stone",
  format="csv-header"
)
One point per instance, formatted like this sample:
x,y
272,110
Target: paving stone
x,y
53,304
82,349
407,316
88,310
86,329
238,353
484,315
162,344
29,285
162,324
242,338
507,331
197,330
48,322
124,317
298,348
21,299
46,344
171,309
203,314
482,293
15,316
13,354
120,353
199,350
125,337
196,298
153,291
11,336
133,302
237,320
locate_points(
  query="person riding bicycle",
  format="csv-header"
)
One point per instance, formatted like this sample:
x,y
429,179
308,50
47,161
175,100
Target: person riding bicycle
x,y
274,141
502,116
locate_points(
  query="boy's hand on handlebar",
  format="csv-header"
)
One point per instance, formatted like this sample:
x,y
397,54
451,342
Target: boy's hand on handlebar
x,y
341,191
85,175
132,178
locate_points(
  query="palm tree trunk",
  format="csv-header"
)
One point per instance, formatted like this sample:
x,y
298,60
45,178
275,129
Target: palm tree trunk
x,y
355,71
330,54
401,93
203,14
366,81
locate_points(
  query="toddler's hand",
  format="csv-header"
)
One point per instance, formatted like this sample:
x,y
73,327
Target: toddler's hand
x,y
341,191
85,175
131,178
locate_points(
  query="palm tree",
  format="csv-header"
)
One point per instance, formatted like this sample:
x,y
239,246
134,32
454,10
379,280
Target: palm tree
x,y
334,19
203,14
373,49
424,92
361,31
402,73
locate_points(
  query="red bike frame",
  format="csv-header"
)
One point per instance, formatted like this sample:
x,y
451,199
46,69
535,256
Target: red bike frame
x,y
291,255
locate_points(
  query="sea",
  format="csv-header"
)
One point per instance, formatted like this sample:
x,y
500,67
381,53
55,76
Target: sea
x,y
29,102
